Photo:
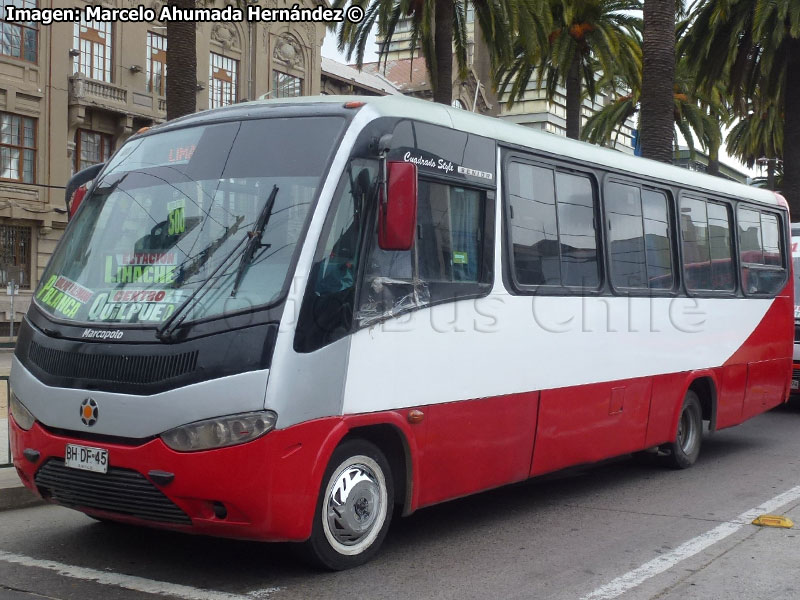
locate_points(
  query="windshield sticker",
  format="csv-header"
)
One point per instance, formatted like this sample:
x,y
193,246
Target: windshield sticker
x,y
460,258
176,216
135,305
63,295
145,267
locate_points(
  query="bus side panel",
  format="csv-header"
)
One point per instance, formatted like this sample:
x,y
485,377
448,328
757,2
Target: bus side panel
x,y
476,445
588,423
730,398
766,384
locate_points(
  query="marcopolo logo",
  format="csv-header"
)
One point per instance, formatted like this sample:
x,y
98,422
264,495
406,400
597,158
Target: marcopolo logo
x,y
103,334
89,412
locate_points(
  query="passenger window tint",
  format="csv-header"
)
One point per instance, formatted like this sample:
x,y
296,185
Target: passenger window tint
x,y
577,235
760,252
706,236
657,240
552,226
719,242
448,226
533,225
625,236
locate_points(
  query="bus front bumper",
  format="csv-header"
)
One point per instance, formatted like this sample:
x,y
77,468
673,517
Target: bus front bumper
x,y
261,490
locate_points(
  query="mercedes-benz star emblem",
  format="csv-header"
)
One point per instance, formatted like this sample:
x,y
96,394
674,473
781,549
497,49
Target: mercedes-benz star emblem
x,y
89,412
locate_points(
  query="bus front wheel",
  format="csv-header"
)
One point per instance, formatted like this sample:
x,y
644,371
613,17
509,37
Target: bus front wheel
x,y
683,452
354,507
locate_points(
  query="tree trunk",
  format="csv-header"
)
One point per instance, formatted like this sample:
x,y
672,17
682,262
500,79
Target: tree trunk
x,y
713,160
771,173
181,65
574,99
442,80
791,131
657,120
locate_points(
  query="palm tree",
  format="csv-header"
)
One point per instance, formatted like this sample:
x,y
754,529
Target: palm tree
x,y
181,65
756,44
584,38
693,115
658,76
438,31
758,136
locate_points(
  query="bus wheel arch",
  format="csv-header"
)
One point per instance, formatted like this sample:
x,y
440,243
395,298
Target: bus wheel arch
x,y
698,405
394,445
706,389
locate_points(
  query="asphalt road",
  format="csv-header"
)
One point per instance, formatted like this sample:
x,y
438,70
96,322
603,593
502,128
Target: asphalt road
x,y
620,530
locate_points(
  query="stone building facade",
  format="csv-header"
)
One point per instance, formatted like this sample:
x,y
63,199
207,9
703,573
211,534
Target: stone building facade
x,y
71,93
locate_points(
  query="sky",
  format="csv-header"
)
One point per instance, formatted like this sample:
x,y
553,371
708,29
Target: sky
x,y
329,50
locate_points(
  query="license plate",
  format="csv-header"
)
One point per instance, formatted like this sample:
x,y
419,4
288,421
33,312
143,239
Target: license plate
x,y
795,384
86,458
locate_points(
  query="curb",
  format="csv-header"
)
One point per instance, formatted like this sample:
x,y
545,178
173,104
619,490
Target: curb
x,y
13,494
18,497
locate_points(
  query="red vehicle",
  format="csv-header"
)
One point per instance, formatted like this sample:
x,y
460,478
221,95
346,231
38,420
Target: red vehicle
x,y
283,319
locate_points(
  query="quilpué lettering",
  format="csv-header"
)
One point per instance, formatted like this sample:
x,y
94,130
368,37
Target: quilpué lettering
x,y
133,306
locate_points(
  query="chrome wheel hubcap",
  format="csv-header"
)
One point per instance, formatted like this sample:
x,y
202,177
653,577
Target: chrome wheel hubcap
x,y
355,507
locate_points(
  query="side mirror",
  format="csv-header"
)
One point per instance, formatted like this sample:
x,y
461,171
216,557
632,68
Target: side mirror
x,y
73,194
397,214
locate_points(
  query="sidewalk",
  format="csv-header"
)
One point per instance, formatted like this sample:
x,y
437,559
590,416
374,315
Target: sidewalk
x,y
12,493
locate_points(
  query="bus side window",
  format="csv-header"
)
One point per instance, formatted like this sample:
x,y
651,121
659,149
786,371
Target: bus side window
x,y
760,252
448,250
327,311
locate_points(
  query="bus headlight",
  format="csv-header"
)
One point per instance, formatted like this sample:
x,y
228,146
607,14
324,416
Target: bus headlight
x,y
220,432
21,415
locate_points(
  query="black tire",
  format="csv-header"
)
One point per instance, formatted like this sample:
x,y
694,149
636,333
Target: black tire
x,y
350,535
683,452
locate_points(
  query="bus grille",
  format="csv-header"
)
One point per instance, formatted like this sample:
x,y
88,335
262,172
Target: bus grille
x,y
123,369
120,491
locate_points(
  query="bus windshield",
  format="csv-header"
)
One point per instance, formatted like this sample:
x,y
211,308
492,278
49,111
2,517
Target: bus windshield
x,y
177,211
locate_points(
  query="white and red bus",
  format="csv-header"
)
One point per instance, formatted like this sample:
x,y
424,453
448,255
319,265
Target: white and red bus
x,y
796,277
284,319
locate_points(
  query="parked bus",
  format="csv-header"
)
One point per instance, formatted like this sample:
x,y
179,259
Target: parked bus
x,y
795,391
283,320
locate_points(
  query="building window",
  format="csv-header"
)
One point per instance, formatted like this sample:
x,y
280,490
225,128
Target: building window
x,y
17,147
20,40
15,255
91,148
222,81
156,63
286,86
92,42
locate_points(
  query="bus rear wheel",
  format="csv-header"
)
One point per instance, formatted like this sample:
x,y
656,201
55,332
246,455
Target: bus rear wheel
x,y
683,452
354,507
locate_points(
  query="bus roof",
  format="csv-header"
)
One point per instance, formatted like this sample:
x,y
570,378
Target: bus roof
x,y
511,133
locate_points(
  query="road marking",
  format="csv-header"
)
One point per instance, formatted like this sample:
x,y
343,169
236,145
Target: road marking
x,y
662,563
131,582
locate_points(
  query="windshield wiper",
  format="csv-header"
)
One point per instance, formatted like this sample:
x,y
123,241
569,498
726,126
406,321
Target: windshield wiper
x,y
254,239
165,331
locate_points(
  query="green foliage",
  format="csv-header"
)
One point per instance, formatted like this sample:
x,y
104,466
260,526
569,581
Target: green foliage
x,y
498,20
601,35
